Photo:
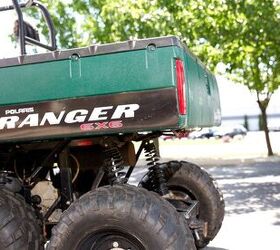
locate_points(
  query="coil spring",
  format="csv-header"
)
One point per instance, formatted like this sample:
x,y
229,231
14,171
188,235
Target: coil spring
x,y
113,163
151,153
158,182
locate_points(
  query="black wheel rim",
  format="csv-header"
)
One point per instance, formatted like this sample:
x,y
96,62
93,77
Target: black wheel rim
x,y
110,240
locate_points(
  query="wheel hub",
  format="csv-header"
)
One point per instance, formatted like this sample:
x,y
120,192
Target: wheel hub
x,y
116,246
111,240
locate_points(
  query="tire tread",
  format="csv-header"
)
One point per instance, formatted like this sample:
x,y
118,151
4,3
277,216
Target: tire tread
x,y
137,202
19,228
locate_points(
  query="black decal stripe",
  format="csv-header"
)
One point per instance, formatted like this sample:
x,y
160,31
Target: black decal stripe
x,y
158,110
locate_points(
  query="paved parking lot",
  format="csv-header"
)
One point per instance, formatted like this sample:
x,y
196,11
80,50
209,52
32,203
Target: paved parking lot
x,y
252,196
250,183
215,152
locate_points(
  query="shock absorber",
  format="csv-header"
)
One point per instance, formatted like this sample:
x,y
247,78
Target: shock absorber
x,y
113,165
156,171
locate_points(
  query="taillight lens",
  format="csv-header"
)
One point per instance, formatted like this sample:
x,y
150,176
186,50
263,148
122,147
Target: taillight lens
x,y
84,143
181,87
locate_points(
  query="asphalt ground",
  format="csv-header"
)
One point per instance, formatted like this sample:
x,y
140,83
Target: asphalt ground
x,y
252,197
249,180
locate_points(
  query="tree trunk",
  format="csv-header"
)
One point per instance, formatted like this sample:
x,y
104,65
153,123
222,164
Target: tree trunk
x,y
263,106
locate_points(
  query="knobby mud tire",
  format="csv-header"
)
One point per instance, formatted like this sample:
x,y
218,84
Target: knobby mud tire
x,y
123,210
19,227
197,183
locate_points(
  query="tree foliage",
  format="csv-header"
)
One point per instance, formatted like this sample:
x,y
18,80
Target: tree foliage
x,y
251,50
243,35
83,22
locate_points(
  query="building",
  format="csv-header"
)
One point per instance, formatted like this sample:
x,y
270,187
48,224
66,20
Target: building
x,y
237,102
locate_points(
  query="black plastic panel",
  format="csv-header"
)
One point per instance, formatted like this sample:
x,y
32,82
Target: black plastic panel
x,y
89,116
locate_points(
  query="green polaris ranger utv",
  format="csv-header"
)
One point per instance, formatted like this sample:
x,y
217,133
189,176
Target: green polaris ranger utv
x,y
68,123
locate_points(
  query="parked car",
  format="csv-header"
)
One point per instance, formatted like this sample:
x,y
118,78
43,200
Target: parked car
x,y
202,133
230,131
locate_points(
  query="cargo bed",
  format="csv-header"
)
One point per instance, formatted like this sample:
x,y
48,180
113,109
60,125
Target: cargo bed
x,y
112,88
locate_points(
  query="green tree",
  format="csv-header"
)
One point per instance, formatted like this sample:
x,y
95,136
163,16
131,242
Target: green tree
x,y
64,21
242,34
249,43
100,21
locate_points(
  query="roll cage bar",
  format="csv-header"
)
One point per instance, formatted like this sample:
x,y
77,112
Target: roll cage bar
x,y
23,38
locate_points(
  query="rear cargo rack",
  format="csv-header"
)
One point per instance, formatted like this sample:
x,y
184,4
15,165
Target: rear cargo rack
x,y
23,38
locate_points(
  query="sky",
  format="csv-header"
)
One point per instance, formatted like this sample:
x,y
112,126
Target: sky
x,y
6,28
236,99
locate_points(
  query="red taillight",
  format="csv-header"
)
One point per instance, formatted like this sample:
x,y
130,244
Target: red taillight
x,y
84,143
181,87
